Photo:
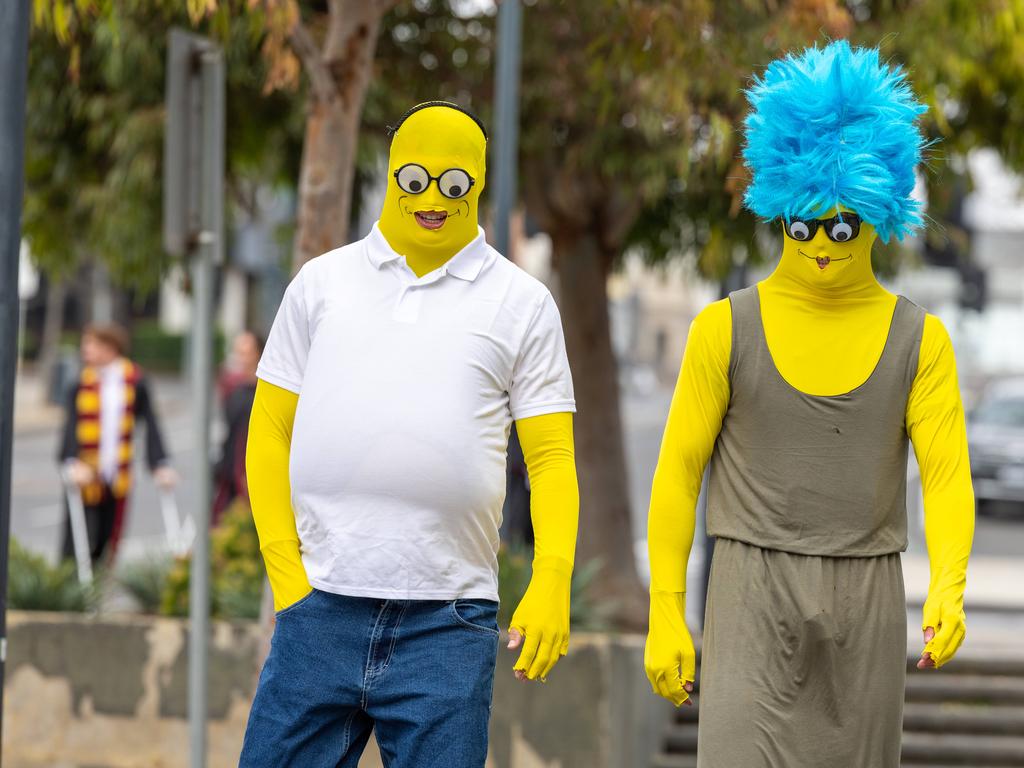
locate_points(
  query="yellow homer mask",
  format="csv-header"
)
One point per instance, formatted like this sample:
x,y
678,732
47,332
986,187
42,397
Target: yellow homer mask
x,y
435,177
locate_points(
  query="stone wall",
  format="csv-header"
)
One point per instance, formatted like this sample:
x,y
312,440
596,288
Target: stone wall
x,y
111,692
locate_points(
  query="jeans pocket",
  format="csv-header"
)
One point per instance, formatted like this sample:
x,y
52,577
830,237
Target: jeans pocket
x,y
300,602
479,615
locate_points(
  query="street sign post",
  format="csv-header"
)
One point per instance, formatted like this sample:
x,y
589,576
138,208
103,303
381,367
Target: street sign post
x,y
14,16
506,120
194,227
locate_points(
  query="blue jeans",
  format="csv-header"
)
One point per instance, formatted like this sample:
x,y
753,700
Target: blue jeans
x,y
420,672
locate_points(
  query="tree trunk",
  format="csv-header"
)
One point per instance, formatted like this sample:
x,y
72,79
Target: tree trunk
x,y
605,525
339,74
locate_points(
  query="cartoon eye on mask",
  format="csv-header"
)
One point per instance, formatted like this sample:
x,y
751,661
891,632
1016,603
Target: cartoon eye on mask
x,y
453,183
841,228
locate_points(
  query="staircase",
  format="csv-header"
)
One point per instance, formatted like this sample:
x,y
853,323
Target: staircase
x,y
971,714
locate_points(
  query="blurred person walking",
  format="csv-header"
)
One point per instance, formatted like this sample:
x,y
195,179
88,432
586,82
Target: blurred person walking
x,y
110,397
237,388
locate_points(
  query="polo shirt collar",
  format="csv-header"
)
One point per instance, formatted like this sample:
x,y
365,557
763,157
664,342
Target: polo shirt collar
x,y
465,265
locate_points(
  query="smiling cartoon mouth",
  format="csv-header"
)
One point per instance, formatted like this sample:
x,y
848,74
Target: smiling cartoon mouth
x,y
431,219
824,261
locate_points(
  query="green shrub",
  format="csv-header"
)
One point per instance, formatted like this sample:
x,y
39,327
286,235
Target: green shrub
x,y
236,570
157,350
146,580
514,571
35,585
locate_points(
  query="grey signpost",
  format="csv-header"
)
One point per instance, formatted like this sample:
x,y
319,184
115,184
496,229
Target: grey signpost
x,y
506,119
194,228
14,15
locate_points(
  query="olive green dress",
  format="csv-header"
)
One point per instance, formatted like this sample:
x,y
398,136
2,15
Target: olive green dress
x,y
804,652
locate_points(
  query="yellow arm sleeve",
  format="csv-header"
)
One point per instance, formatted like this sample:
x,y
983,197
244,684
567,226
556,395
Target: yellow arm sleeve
x,y
266,467
695,418
542,616
935,423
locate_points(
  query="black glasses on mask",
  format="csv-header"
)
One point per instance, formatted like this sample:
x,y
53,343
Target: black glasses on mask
x,y
841,228
453,183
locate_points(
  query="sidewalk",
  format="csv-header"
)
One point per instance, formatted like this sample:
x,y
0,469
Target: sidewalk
x,y
994,584
31,411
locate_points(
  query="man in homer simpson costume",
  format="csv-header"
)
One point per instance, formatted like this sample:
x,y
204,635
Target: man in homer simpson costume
x,y
376,466
803,391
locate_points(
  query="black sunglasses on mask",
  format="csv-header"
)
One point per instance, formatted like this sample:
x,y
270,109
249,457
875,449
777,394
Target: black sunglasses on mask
x,y
841,228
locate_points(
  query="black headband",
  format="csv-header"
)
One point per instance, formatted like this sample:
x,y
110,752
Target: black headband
x,y
394,128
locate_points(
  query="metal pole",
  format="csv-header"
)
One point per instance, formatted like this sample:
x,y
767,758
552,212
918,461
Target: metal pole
x,y
206,255
14,16
506,119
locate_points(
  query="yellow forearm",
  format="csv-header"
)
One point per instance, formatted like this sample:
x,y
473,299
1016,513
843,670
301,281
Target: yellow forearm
x,y
542,616
935,422
699,403
695,417
266,466
548,449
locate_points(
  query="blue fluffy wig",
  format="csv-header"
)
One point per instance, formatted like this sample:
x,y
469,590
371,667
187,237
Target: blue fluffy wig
x,y
833,127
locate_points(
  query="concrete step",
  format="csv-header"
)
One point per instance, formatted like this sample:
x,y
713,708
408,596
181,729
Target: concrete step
x,y
962,750
674,761
681,738
963,718
969,664
982,689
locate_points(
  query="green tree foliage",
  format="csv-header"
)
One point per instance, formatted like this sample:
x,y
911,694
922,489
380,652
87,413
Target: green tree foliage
x,y
94,138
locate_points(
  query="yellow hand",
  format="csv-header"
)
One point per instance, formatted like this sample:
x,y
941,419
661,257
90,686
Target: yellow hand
x,y
945,626
935,422
542,617
266,468
669,657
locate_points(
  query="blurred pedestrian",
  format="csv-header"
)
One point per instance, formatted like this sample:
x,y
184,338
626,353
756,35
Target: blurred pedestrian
x,y
103,407
237,388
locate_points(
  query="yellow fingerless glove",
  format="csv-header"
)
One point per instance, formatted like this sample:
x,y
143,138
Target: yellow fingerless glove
x,y
669,657
266,466
542,616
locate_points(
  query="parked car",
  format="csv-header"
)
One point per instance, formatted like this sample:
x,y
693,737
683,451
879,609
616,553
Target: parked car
x,y
995,434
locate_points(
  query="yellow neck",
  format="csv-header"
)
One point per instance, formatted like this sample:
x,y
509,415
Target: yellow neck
x,y
421,260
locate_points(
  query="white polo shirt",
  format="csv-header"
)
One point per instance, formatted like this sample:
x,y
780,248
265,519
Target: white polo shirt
x,y
408,387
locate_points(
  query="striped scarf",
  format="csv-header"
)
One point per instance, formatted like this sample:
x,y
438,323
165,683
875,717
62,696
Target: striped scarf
x,y
87,405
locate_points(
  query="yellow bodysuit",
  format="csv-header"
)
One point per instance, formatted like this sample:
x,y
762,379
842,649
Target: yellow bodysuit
x,y
826,319
428,219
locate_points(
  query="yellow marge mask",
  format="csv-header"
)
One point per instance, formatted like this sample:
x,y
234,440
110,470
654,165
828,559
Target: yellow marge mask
x,y
429,215
831,251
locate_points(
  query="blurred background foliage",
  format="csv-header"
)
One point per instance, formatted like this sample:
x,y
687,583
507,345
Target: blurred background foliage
x,y
628,106
236,570
35,585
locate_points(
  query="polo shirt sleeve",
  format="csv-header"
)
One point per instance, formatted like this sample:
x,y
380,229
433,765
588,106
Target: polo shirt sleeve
x,y
541,379
283,362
